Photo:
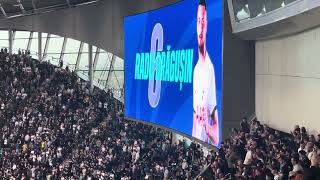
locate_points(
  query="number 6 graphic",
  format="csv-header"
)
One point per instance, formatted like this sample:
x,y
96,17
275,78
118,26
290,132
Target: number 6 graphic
x,y
154,86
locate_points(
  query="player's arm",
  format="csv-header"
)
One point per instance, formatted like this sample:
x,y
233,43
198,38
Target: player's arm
x,y
194,124
213,129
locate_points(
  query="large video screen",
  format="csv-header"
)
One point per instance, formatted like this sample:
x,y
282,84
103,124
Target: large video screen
x,y
173,68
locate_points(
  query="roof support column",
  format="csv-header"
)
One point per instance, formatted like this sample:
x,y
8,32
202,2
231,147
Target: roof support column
x,y
30,41
76,67
95,60
46,47
113,59
63,48
39,46
10,40
90,67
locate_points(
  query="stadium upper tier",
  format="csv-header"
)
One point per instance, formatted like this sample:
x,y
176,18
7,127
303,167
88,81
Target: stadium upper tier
x,y
245,9
108,68
252,19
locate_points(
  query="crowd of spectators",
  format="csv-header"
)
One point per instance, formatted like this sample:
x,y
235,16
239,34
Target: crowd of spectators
x,y
52,126
256,151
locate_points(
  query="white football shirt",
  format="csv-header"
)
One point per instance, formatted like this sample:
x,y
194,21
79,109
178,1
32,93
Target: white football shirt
x,y
204,94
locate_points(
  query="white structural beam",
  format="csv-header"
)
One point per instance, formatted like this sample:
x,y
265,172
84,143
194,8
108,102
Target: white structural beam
x,y
63,48
3,11
79,56
90,67
111,68
95,60
46,46
10,40
39,46
30,41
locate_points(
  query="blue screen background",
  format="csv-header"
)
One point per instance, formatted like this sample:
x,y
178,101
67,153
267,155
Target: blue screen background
x,y
175,108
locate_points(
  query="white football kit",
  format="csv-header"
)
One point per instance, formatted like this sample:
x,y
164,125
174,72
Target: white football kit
x,y
204,95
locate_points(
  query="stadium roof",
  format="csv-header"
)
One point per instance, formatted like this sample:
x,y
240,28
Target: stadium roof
x,y
14,8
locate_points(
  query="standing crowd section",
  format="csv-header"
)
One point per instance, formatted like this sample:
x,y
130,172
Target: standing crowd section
x,y
53,127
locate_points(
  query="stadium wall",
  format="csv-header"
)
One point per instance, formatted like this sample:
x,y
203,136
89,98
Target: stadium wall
x,y
238,78
288,81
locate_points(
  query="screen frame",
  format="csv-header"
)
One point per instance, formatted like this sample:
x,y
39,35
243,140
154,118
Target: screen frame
x,y
209,146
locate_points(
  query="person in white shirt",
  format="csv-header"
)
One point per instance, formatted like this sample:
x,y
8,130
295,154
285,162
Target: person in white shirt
x,y
26,138
248,159
205,116
184,164
296,166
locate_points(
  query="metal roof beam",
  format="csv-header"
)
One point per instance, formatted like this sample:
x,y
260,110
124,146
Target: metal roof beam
x,y
21,6
96,57
34,5
3,11
68,2
79,56
111,68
